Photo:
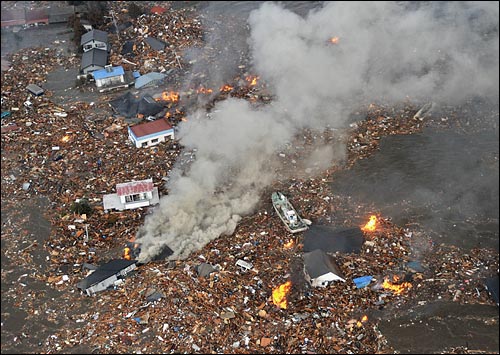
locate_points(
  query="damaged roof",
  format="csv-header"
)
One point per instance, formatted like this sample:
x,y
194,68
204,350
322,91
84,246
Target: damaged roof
x,y
318,263
156,44
105,271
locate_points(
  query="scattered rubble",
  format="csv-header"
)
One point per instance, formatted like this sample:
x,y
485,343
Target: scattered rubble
x,y
82,151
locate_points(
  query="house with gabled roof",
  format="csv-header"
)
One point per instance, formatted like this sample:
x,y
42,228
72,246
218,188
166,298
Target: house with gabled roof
x,y
106,276
95,39
110,78
133,194
320,268
150,133
92,60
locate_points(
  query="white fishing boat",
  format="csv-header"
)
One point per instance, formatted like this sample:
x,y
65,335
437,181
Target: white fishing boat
x,y
293,222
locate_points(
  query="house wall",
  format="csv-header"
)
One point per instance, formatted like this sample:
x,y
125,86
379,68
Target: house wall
x,y
150,140
101,286
138,203
113,80
323,280
95,44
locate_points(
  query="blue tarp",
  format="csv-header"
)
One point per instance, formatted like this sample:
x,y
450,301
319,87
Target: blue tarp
x,y
362,281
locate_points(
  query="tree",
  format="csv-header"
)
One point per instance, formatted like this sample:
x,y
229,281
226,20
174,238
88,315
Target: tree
x,y
95,13
82,207
78,30
135,10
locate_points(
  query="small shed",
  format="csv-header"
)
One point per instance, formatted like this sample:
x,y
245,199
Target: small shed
x,y
320,268
149,79
94,59
35,89
150,133
133,194
94,39
109,76
106,275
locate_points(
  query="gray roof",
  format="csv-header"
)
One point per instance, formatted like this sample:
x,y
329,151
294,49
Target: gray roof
x,y
94,57
155,43
105,271
318,263
97,35
149,78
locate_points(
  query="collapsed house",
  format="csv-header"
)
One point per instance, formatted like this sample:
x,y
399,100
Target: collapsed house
x,y
129,106
106,276
320,269
133,194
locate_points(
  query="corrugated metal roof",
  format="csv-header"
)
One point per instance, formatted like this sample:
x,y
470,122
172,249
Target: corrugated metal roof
x,y
148,78
104,73
94,57
134,187
97,35
147,128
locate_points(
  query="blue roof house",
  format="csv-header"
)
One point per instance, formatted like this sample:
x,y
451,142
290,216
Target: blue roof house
x,y
109,76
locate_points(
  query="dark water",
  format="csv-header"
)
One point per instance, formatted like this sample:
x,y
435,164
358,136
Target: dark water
x,y
446,182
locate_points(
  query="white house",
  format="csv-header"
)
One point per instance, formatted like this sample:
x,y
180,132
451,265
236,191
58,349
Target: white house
x,y
95,39
109,76
150,133
133,194
106,275
320,269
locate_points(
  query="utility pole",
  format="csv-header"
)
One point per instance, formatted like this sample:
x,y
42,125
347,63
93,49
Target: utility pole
x,y
116,26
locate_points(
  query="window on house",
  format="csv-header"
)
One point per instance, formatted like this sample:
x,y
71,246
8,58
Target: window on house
x,y
136,197
145,144
154,140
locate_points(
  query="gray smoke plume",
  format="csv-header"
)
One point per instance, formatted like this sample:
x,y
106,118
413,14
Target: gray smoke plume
x,y
445,52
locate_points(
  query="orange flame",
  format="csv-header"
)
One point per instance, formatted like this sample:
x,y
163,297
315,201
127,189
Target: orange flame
x,y
252,79
371,225
334,40
169,96
397,289
65,139
364,318
226,88
289,244
279,294
202,90
126,253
